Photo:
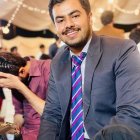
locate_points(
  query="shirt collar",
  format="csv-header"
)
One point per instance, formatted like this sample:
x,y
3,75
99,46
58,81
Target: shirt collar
x,y
34,69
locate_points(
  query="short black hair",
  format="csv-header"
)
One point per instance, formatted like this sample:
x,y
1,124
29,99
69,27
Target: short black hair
x,y
13,48
11,63
135,35
42,46
44,57
107,17
85,4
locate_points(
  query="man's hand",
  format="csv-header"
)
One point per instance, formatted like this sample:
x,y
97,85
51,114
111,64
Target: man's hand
x,y
18,122
9,81
14,130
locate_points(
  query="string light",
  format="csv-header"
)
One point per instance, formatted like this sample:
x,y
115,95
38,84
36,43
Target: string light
x,y
5,29
34,9
20,3
100,10
110,1
30,8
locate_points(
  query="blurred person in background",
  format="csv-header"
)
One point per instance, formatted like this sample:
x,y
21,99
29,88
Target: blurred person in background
x,y
42,50
108,29
14,50
28,79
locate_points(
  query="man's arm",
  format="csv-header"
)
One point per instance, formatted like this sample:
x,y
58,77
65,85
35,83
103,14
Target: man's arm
x,y
11,81
36,102
52,117
127,71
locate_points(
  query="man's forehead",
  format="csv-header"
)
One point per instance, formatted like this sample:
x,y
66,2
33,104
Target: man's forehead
x,y
62,9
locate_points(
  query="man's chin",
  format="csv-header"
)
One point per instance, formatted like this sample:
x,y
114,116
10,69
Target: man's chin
x,y
76,45
73,44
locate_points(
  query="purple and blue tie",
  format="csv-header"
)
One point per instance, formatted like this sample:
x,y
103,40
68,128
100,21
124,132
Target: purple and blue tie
x,y
77,128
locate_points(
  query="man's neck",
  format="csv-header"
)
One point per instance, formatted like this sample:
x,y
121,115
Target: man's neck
x,y
76,51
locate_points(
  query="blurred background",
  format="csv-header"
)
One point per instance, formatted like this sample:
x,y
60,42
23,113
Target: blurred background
x,y
26,23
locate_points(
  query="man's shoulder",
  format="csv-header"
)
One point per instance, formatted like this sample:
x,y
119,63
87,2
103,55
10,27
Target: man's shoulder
x,y
40,63
45,64
108,40
114,44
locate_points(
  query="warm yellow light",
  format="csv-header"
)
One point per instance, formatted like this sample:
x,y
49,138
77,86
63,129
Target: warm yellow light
x,y
101,10
110,1
5,30
137,12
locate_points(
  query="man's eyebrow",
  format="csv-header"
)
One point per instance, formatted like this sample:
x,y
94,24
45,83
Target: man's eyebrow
x,y
59,17
75,11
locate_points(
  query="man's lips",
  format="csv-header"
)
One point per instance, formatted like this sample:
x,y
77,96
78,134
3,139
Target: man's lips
x,y
71,34
71,31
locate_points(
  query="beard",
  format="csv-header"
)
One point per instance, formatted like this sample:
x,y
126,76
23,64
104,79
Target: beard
x,y
25,80
79,44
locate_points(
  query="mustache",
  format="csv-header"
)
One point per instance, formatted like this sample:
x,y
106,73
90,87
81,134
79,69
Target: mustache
x,y
70,29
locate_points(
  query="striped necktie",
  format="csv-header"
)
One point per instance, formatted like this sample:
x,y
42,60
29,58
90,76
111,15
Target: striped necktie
x,y
77,128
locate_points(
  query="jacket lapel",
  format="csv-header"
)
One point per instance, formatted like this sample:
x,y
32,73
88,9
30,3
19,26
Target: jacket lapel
x,y
65,70
93,56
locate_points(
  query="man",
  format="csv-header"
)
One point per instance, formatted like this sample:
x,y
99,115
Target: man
x,y
29,102
107,18
107,102
42,49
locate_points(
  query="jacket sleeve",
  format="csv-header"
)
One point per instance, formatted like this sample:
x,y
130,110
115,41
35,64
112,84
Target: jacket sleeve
x,y
51,118
127,72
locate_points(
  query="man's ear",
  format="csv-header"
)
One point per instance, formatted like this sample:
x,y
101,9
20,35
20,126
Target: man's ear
x,y
21,72
90,17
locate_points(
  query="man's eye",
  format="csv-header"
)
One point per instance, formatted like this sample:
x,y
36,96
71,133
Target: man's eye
x,y
59,20
76,16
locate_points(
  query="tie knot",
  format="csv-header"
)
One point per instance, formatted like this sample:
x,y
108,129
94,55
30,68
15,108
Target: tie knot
x,y
77,60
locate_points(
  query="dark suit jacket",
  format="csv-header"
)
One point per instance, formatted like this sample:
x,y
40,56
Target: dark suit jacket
x,y
111,89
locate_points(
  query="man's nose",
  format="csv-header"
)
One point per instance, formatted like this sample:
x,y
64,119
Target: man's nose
x,y
69,23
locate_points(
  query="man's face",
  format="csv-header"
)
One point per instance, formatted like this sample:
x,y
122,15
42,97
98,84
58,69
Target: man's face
x,y
72,23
